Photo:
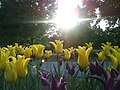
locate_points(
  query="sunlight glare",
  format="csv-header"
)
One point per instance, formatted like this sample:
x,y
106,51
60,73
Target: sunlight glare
x,y
66,16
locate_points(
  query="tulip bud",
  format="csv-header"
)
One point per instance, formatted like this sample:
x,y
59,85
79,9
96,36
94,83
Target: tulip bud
x,y
58,45
27,52
22,66
10,73
71,70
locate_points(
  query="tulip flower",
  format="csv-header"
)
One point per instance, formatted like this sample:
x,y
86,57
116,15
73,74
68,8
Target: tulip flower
x,y
21,65
83,55
35,50
108,68
117,48
114,61
4,49
16,46
44,76
58,45
116,53
10,73
72,50
111,81
89,44
38,50
106,48
21,50
54,83
71,69
48,53
12,50
11,59
34,67
28,52
67,54
96,68
3,58
101,55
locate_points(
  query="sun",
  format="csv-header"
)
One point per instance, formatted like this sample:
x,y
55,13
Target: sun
x,y
66,16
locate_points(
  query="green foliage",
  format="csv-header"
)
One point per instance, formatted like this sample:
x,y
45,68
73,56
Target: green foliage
x,y
109,10
19,20
110,35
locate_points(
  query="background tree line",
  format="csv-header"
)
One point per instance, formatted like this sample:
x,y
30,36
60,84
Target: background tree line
x,y
19,22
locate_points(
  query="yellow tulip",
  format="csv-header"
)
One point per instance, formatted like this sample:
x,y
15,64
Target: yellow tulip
x,y
3,58
116,48
12,50
34,67
72,49
67,54
108,69
4,49
114,51
89,44
16,47
116,54
48,53
38,50
83,55
21,50
114,61
21,66
35,50
101,55
27,52
10,73
106,48
11,59
58,45
107,44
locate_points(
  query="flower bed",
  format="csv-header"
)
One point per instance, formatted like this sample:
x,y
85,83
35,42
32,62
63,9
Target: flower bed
x,y
29,68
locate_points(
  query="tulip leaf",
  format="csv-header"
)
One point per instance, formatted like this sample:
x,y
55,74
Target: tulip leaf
x,y
76,73
101,80
55,70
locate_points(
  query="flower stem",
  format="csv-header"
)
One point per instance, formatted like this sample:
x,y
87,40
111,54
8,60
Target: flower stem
x,y
85,80
58,65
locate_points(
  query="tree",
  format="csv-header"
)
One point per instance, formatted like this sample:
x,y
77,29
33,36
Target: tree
x,y
109,10
20,19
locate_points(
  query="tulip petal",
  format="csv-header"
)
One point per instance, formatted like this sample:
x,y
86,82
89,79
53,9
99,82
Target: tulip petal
x,y
54,45
89,50
114,61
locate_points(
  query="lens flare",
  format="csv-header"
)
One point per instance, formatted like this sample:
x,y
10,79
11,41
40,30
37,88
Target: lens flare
x,y
66,16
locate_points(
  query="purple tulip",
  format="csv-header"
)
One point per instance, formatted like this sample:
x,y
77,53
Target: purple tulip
x,y
92,67
96,68
70,68
111,80
73,55
54,83
44,78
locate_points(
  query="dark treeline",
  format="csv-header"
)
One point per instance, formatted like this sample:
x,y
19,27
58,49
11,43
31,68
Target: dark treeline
x,y
19,22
